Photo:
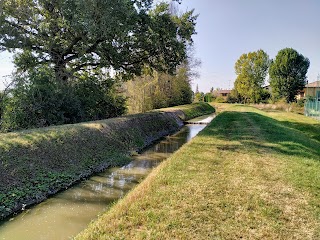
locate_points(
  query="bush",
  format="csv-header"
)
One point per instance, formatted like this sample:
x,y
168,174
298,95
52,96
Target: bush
x,y
220,100
300,102
265,96
232,99
37,100
208,97
98,98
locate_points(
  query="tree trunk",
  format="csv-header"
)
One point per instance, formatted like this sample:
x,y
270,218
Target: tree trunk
x,y
60,71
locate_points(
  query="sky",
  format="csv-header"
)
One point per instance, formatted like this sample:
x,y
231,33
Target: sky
x,y
6,68
228,28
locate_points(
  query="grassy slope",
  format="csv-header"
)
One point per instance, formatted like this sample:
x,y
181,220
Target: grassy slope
x,y
39,162
189,111
249,174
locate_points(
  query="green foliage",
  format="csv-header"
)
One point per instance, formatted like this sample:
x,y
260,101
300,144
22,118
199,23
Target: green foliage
x,y
98,97
159,90
76,36
234,97
208,97
2,102
181,87
300,102
61,47
265,95
37,100
220,100
199,97
288,74
251,70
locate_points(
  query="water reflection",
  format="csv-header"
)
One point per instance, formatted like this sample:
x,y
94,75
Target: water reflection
x,y
69,212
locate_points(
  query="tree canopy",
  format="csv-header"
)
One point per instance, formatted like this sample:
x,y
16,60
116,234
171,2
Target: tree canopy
x,y
251,69
75,36
288,73
72,55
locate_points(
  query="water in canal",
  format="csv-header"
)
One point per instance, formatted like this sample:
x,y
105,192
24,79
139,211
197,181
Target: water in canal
x,y
67,213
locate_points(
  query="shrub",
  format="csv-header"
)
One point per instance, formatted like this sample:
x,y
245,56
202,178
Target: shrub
x,y
37,100
220,100
300,102
98,98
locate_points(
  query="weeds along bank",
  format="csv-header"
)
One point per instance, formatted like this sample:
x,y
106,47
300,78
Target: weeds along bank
x,y
37,163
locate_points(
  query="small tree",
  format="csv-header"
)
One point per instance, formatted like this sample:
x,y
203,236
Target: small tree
x,y
288,74
251,69
208,97
199,97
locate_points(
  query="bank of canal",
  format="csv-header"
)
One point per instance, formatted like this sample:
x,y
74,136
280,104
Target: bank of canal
x,y
67,213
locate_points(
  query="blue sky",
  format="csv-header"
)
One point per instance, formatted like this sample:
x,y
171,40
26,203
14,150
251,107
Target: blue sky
x,y
228,28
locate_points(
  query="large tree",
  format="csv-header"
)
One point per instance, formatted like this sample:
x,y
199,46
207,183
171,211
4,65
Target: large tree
x,y
251,69
68,50
73,36
288,74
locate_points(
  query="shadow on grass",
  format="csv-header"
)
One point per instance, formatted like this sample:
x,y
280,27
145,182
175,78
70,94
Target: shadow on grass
x,y
257,133
312,130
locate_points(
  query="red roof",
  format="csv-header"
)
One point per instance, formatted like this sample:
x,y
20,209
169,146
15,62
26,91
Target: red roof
x,y
313,84
224,91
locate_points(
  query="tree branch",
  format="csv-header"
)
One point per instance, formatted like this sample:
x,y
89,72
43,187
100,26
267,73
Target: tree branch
x,y
72,44
21,28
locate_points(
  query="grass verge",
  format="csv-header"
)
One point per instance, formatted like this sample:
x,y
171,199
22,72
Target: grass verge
x,y
40,162
250,174
189,111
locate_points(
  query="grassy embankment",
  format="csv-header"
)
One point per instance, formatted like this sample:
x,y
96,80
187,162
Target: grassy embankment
x,y
250,174
37,163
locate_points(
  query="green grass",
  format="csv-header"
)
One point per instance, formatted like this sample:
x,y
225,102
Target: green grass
x,y
189,111
40,162
250,174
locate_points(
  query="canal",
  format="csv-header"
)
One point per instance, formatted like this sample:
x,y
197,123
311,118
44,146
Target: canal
x,y
66,214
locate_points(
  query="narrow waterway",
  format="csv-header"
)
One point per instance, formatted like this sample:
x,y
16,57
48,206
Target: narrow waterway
x,y
67,213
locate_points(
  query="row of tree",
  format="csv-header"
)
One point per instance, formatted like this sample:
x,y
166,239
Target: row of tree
x,y
73,57
287,75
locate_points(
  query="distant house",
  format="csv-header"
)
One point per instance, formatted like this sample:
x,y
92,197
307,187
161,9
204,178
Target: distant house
x,y
310,90
222,93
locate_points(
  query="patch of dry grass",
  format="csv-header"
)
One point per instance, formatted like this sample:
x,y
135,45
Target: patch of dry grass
x,y
247,175
281,106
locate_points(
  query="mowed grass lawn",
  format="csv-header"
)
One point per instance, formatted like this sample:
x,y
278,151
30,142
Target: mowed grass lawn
x,y
250,174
